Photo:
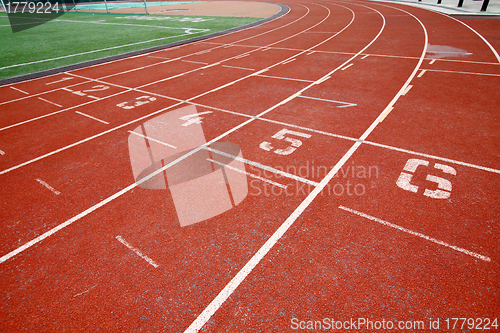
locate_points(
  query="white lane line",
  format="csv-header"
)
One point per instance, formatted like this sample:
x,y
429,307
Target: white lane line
x,y
43,99
477,33
195,62
323,79
93,97
418,234
236,67
346,67
24,92
407,90
466,73
248,174
137,251
228,290
151,139
330,101
86,291
242,56
288,61
59,81
89,116
285,78
263,167
53,190
157,57
422,72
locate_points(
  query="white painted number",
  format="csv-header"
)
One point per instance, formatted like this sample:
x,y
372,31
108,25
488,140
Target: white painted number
x,y
99,87
443,190
193,118
140,101
294,143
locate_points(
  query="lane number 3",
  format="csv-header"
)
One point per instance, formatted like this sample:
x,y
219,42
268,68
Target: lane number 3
x,y
294,143
139,101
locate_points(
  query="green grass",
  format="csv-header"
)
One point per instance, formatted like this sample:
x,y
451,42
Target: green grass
x,y
71,34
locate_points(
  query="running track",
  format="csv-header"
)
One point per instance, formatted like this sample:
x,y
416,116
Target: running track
x,y
356,233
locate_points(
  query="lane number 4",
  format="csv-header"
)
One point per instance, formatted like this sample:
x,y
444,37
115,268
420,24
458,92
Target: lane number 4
x,y
294,143
443,190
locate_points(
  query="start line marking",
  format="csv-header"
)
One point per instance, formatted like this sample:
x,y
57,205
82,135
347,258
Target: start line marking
x,y
418,234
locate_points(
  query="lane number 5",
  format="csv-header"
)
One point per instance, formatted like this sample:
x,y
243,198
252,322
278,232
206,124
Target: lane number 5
x,y
294,143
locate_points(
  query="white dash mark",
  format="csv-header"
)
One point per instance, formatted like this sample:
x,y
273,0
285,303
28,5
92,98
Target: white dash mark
x,y
2,152
288,61
247,173
86,291
89,116
422,73
406,90
24,92
384,114
43,99
96,98
346,67
151,139
248,69
432,61
136,251
312,52
56,192
366,56
418,234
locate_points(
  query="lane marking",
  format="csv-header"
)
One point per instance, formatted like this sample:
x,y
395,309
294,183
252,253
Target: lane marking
x,y
343,69
89,116
211,65
289,98
151,139
228,290
407,90
93,97
242,56
288,61
285,78
195,62
312,52
248,174
24,92
422,73
86,291
236,67
263,167
53,190
43,99
2,152
137,251
323,79
164,58
61,80
418,234
346,105
385,113
432,61
366,56
457,72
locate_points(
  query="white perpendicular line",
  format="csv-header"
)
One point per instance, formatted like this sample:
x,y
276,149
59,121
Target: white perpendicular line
x,y
94,118
248,174
345,104
422,72
263,167
53,190
50,102
137,251
24,92
418,234
154,140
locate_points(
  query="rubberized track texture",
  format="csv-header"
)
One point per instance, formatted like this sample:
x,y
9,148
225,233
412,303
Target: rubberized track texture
x,y
335,166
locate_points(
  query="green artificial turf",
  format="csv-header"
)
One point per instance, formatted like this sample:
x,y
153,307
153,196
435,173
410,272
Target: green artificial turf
x,y
71,34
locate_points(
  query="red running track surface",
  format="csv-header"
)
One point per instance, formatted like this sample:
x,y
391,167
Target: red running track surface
x,y
387,211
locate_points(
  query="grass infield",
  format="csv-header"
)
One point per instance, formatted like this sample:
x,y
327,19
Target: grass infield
x,y
73,38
